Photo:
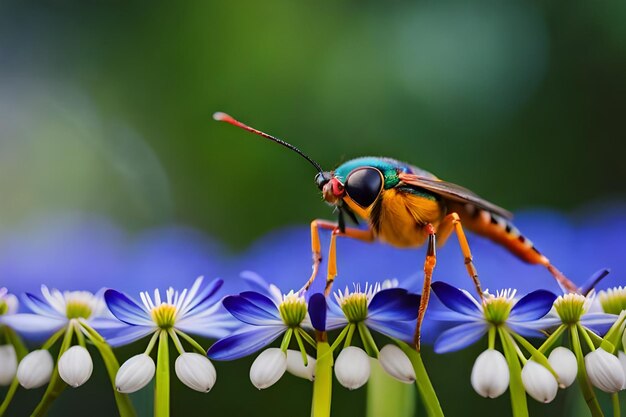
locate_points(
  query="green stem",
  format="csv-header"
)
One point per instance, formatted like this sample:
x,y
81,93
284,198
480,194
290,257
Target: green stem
x,y
323,384
424,386
616,409
177,344
491,344
305,358
584,335
387,396
583,381
124,405
552,339
535,354
53,339
162,385
351,327
10,393
286,339
20,351
306,337
339,338
516,386
56,384
192,342
368,341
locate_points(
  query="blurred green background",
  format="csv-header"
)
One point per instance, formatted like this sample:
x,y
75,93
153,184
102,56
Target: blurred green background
x,y
106,107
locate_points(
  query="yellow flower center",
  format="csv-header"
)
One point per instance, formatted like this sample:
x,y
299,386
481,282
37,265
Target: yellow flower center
x,y
164,315
354,306
570,307
292,309
613,300
77,310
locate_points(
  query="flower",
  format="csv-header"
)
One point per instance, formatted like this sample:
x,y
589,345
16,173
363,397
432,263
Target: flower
x,y
539,382
268,368
195,311
395,362
563,362
605,370
8,364
296,366
135,373
473,319
577,308
8,302
490,374
352,367
35,369
196,371
613,300
75,366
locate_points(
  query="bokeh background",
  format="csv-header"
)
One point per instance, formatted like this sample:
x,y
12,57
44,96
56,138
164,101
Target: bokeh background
x,y
113,173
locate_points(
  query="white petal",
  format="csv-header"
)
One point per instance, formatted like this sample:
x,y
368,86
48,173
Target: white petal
x,y
268,368
196,371
605,370
295,365
35,369
352,367
8,364
539,382
75,366
490,374
395,362
622,359
563,361
135,373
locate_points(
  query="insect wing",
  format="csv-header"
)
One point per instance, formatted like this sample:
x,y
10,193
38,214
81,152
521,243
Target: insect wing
x,y
453,192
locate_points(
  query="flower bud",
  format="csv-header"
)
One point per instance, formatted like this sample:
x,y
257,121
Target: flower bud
x,y
490,374
605,370
75,366
352,367
622,358
268,368
8,364
295,365
135,373
196,371
563,361
539,382
395,362
35,369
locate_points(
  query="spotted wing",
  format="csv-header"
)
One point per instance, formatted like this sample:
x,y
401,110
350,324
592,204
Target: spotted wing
x,y
453,192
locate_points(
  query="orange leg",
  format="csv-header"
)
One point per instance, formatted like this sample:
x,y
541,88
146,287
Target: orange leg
x,y
451,223
429,266
364,235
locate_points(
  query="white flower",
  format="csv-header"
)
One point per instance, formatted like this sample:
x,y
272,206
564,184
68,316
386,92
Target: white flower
x,y
395,362
295,365
196,371
268,368
605,370
35,369
539,382
75,366
490,374
352,367
8,364
8,302
622,359
563,361
135,373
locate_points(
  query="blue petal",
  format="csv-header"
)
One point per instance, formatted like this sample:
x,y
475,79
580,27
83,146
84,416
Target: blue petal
x,y
204,298
394,304
439,314
459,337
126,309
403,330
38,306
598,322
534,328
318,311
255,281
33,325
127,335
248,312
594,280
455,299
533,306
244,343
260,300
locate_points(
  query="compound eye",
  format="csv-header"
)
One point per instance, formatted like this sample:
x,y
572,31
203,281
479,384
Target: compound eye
x,y
364,185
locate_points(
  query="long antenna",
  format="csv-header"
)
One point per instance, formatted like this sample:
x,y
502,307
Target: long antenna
x,y
223,117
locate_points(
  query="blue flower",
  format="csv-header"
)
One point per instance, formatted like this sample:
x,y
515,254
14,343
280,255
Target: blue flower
x,y
472,319
195,311
265,315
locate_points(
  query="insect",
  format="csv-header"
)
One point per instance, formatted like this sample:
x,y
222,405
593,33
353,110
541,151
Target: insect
x,y
406,206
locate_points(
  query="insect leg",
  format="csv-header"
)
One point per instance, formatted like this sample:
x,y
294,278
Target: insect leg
x,y
429,266
316,247
451,223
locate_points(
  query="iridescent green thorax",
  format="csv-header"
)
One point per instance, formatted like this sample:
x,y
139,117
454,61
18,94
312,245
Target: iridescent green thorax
x,y
4,307
497,308
354,306
613,300
164,316
292,309
571,307
389,167
77,310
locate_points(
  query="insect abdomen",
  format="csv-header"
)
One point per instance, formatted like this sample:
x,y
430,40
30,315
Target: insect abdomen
x,y
500,230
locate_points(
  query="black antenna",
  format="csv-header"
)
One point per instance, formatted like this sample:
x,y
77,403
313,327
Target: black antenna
x,y
223,117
